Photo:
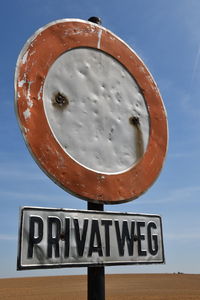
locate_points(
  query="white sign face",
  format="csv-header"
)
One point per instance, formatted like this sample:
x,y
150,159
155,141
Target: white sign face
x,y
67,238
94,125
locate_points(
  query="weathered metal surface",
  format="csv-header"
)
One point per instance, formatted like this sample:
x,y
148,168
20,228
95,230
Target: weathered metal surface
x,y
67,238
94,127
102,150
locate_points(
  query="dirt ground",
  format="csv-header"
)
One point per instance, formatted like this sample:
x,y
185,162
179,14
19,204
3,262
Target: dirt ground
x,y
118,287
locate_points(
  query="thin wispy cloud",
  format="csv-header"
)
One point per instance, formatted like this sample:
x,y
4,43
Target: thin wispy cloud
x,y
176,195
182,236
20,172
195,67
8,237
31,196
182,155
21,175
189,105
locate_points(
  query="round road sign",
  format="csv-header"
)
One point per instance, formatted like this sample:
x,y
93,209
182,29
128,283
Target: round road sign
x,y
90,112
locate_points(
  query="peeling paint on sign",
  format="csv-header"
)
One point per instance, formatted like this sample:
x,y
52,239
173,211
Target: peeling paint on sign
x,y
25,57
21,83
99,39
27,113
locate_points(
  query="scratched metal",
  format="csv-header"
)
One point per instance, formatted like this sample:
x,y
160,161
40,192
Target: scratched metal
x,y
108,149
99,243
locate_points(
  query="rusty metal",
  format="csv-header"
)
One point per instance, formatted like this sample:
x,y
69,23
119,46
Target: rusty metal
x,y
60,100
134,121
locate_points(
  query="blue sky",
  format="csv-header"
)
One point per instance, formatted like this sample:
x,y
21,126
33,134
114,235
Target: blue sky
x,y
166,35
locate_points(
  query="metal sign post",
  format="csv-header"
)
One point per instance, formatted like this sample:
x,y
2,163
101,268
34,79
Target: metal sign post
x,y
96,275
93,119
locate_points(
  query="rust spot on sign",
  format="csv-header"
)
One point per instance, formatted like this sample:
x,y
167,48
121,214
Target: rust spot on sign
x,y
60,100
134,121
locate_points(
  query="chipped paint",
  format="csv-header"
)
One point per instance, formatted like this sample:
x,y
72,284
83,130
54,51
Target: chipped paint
x,y
70,32
24,58
26,130
99,39
39,96
32,53
142,69
93,28
27,114
29,101
21,83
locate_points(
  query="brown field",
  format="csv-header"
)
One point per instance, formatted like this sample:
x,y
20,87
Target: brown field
x,y
118,287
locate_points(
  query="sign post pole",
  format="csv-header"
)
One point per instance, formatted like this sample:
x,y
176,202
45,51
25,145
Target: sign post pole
x,y
96,275
113,159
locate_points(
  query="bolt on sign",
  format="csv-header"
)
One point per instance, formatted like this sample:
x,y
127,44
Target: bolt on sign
x,y
90,112
61,237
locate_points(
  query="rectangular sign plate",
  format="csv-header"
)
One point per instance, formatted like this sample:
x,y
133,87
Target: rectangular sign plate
x,y
51,238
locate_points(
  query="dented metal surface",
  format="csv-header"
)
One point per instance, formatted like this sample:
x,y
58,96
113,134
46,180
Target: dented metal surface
x,y
69,238
45,124
94,127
